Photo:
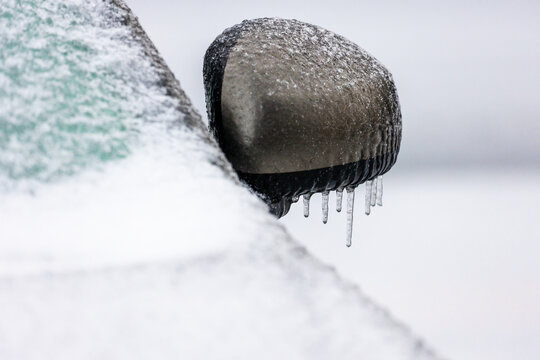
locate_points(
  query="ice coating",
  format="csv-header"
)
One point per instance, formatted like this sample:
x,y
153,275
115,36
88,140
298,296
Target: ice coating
x,y
379,190
373,196
367,204
350,210
306,198
325,207
297,108
339,199
303,87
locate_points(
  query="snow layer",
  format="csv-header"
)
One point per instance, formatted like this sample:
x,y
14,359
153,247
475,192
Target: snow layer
x,y
155,251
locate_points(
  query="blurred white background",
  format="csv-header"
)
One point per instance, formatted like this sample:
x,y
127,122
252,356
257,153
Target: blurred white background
x,y
455,251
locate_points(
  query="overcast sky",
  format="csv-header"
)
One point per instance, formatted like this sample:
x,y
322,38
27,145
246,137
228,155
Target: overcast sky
x,y
467,73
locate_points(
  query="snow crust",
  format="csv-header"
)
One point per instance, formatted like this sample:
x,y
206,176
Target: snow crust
x,y
155,251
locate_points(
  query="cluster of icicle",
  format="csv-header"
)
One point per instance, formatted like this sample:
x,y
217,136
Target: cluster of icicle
x,y
374,193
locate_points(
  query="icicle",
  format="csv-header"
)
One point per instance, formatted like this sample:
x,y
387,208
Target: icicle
x,y
325,207
339,199
350,208
306,204
373,192
295,199
379,190
368,197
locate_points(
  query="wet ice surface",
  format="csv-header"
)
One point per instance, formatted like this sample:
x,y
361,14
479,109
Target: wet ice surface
x,y
156,252
367,204
306,199
379,190
325,196
434,260
350,210
339,199
373,196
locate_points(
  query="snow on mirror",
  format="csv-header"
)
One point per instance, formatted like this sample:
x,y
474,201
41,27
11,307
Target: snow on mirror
x,y
300,110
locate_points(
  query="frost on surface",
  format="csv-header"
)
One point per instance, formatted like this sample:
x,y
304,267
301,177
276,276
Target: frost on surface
x,y
74,88
159,254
